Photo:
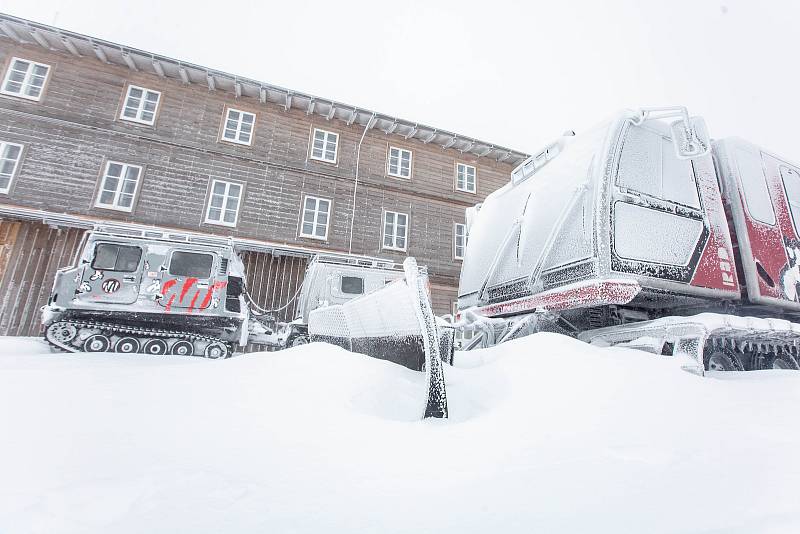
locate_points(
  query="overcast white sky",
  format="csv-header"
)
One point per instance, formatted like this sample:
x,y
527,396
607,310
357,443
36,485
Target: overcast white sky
x,y
515,74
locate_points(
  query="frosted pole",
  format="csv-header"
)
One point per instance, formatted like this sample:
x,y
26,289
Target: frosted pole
x,y
436,402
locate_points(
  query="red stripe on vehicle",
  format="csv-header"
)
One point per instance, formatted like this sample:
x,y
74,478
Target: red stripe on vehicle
x,y
187,285
194,300
169,302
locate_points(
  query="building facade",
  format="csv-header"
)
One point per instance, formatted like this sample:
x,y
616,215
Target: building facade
x,y
95,132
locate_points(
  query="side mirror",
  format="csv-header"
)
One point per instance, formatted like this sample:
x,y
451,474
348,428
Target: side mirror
x,y
690,138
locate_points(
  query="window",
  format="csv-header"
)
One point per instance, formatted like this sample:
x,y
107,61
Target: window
x,y
140,105
754,183
315,218
113,257
223,207
352,285
791,184
465,178
10,154
118,189
324,146
395,230
239,127
25,79
649,165
191,264
399,162
460,238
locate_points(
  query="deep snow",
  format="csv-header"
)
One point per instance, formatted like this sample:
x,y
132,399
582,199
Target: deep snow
x,y
546,435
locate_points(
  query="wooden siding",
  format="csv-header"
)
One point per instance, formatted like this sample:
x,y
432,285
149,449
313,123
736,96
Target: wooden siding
x,y
273,281
34,252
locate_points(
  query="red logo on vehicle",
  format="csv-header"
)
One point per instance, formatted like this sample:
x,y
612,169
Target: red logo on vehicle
x,y
111,285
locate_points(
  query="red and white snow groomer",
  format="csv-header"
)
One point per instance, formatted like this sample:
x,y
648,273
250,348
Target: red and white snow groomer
x,y
642,233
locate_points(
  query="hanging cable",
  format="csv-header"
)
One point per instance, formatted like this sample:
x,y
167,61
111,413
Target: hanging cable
x,y
264,311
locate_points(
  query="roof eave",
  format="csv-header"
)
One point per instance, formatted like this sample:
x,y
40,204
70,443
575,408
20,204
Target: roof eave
x,y
76,44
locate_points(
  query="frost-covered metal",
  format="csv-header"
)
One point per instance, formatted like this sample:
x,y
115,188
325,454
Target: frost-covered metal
x,y
625,233
392,323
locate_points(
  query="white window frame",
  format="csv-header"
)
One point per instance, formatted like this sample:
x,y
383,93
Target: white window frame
x,y
315,222
394,231
239,125
26,80
455,241
115,205
3,147
399,173
140,108
225,197
325,143
466,188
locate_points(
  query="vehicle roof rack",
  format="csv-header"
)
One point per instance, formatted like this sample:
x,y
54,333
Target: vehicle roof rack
x,y
156,234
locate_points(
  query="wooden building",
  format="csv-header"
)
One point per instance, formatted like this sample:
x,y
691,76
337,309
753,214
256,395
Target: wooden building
x,y
92,131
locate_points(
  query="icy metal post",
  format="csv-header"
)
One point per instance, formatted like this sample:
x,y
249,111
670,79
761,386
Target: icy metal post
x,y
436,402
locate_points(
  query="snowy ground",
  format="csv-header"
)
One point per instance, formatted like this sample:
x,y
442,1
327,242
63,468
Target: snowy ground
x,y
546,435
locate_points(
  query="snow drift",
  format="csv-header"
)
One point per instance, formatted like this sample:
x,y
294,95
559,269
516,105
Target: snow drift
x,y
546,434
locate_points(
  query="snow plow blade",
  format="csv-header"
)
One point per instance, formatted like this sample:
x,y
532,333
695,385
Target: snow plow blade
x,y
391,323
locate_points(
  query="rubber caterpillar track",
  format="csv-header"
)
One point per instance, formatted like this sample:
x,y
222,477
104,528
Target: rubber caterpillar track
x,y
92,336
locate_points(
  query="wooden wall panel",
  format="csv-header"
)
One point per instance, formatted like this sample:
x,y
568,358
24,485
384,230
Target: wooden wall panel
x,y
273,281
30,263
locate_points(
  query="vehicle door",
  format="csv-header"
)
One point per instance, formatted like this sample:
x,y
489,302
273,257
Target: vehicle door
x,y
659,225
190,280
113,275
764,193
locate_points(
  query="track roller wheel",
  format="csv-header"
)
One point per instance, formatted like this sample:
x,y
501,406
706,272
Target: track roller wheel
x,y
96,343
780,360
182,348
156,347
216,350
718,358
62,333
127,345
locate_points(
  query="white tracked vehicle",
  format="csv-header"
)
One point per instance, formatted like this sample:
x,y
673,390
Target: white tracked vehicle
x,y
151,292
642,233
135,290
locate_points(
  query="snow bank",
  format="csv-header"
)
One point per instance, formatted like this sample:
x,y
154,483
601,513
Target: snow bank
x,y
546,435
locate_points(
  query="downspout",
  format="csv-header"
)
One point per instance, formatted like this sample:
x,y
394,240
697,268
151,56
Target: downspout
x,y
355,186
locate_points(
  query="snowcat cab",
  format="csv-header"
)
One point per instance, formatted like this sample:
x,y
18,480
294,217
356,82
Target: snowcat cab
x,y
332,280
390,318
148,291
622,235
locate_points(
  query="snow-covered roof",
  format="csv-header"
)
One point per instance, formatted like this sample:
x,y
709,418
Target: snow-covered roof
x,y
52,38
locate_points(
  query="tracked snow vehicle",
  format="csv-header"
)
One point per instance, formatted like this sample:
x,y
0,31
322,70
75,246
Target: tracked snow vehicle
x,y
151,292
642,233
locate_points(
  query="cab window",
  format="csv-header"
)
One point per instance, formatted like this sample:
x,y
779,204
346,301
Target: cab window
x,y
113,257
352,285
791,184
649,165
191,264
